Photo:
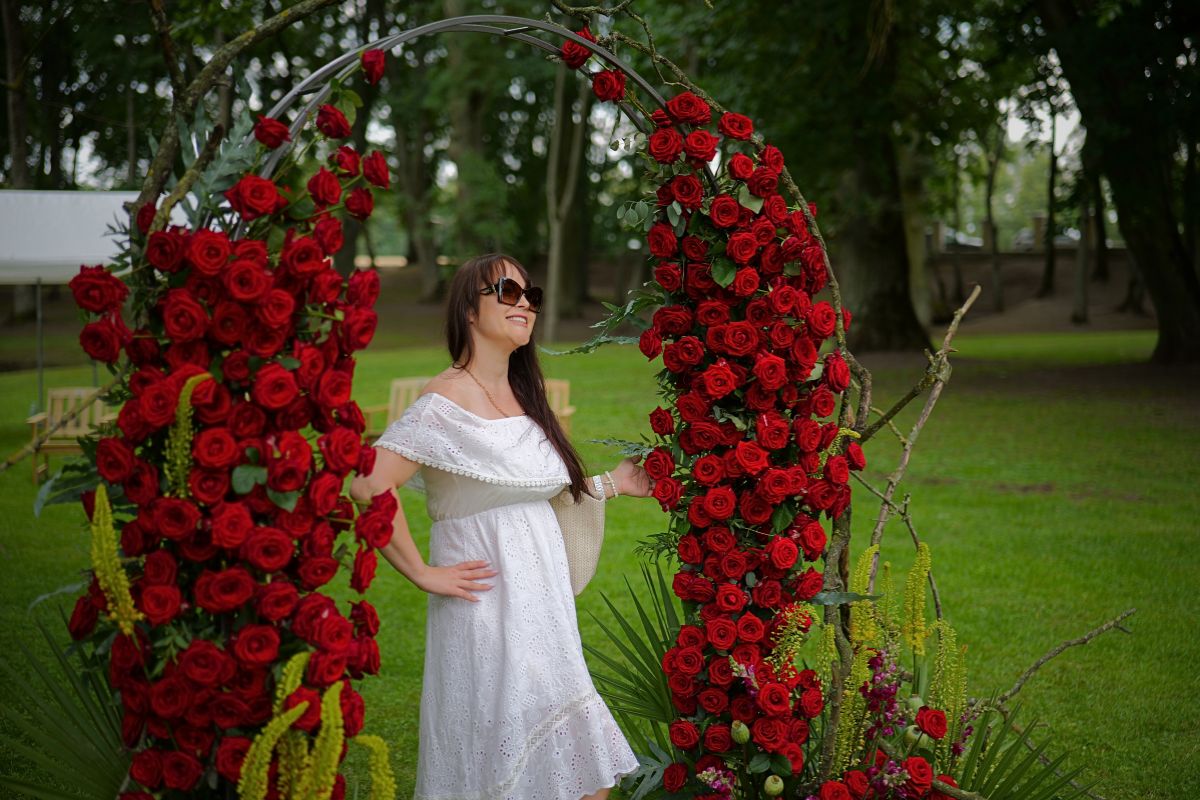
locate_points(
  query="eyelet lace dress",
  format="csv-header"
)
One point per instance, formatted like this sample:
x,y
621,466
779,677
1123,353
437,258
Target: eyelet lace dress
x,y
508,709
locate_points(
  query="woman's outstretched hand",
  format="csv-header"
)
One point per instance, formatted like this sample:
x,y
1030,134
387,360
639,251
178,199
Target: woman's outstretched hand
x,y
459,580
632,480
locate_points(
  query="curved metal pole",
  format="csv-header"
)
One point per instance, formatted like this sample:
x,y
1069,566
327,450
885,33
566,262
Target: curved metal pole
x,y
345,64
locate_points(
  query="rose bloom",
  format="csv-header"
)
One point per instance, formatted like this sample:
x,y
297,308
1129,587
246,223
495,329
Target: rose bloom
x,y
932,721
271,132
253,197
735,126
608,85
372,65
332,122
665,145
375,170
574,54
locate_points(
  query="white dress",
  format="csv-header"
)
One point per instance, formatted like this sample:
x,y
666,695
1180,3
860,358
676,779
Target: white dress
x,y
508,709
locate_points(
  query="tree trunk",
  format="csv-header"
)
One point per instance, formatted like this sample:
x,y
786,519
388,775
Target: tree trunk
x,y
577,225
1047,287
19,176
1191,201
1100,256
1079,314
1138,160
955,252
993,161
562,173
874,272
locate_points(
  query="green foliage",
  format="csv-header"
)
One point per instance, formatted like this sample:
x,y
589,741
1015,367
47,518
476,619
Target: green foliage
x,y
66,721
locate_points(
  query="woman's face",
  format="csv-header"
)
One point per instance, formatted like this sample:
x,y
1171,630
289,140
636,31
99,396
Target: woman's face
x,y
504,323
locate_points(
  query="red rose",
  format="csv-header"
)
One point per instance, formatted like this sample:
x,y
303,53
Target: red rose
x,y
740,167
324,668
688,191
822,401
837,373
360,203
102,340
745,283
164,249
772,158
574,54
821,320
717,738
332,122
184,319
920,776
231,753
316,572
741,247
700,145
231,524
709,470
215,448
713,700
181,770
363,572
770,732
372,65
146,768
735,126
668,492
724,211
659,464
771,371
730,598
277,600
752,458
311,716
274,387
687,107
684,734
271,132
720,502
328,234
114,459
324,188
650,343
721,632
252,197
662,240
783,552
267,549
256,645
763,182
145,216
98,290
375,170
175,518
834,790
932,721
353,710
160,604
674,777
218,592
665,145
718,380
363,288
608,85
750,628
774,698
83,618
333,389
661,421
208,251
358,328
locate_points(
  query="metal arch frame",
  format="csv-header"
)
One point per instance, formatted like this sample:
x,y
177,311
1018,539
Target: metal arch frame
x,y
342,66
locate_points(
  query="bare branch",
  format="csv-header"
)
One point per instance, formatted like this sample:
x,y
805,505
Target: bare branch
x,y
1115,622
163,28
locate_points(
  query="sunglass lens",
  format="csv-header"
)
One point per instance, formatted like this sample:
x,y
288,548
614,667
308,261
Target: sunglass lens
x,y
510,291
534,295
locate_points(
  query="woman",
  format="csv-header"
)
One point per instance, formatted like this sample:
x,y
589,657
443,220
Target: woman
x,y
508,709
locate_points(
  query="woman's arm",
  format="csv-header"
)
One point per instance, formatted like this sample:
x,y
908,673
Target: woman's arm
x,y
392,470
631,480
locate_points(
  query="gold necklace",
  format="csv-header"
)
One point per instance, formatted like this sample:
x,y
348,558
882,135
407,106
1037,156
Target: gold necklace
x,y
485,391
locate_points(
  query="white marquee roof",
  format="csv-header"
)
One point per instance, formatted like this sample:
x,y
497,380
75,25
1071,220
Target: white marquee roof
x,y
49,234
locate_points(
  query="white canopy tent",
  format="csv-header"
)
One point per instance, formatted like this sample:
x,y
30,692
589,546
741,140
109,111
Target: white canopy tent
x,y
45,236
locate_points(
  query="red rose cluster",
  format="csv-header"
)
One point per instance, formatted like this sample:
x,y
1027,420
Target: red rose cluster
x,y
746,464
227,553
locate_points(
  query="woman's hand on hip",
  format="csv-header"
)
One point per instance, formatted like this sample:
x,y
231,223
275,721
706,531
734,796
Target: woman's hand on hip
x,y
632,480
459,580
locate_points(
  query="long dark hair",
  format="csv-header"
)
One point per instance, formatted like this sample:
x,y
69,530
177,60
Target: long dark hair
x,y
524,371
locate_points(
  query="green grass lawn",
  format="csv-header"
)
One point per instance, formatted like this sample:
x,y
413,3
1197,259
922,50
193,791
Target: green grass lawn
x,y
1055,484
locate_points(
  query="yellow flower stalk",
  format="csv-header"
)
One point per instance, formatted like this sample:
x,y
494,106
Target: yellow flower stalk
x,y
289,679
863,625
913,628
948,686
854,713
178,461
383,780
320,773
888,608
106,562
293,760
253,783
836,445
791,636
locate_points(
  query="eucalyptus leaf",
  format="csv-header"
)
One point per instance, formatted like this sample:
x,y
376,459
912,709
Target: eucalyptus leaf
x,y
760,763
285,500
723,272
245,476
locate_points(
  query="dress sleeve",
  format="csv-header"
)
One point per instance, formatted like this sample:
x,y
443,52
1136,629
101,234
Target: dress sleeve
x,y
412,438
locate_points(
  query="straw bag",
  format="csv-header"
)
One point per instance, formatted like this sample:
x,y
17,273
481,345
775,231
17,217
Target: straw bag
x,y
582,526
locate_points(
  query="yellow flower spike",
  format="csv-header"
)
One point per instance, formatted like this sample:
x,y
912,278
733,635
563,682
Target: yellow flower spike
x,y
791,636
383,780
178,461
289,678
914,629
854,713
106,562
948,687
863,626
316,782
253,783
293,757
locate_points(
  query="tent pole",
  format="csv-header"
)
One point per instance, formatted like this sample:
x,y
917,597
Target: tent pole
x,y
40,357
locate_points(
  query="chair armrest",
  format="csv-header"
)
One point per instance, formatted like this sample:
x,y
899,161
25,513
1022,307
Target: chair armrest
x,y
37,419
566,412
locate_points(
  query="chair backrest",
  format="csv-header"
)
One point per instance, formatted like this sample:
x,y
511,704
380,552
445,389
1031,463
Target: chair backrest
x,y
64,400
558,393
404,394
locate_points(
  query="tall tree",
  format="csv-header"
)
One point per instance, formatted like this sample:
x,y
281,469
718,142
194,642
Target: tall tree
x,y
1132,72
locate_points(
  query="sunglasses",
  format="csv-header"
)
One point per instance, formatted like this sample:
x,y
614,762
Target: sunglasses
x,y
509,292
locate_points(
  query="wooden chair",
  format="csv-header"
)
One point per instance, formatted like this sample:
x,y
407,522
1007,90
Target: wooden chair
x,y
60,403
404,393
